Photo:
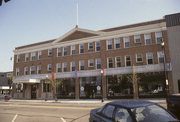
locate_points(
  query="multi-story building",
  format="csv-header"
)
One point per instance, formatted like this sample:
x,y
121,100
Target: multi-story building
x,y
95,63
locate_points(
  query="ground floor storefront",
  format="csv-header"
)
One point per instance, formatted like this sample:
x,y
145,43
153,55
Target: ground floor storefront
x,y
95,87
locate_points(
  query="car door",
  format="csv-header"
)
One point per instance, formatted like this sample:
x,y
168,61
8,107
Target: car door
x,y
122,115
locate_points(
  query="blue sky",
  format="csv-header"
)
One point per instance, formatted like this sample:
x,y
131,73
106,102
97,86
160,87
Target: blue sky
x,y
24,22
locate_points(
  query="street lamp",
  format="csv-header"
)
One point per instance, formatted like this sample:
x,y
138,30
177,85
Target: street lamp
x,y
166,79
102,72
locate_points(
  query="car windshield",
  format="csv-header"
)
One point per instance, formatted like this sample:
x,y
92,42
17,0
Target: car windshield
x,y
152,113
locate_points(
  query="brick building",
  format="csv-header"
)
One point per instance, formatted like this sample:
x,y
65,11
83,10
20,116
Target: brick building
x,y
88,63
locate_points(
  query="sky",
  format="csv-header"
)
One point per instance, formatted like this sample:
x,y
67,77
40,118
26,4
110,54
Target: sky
x,y
24,22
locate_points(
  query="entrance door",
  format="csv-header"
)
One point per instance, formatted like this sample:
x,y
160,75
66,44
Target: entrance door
x,y
33,91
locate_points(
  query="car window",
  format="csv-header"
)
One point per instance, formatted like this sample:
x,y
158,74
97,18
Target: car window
x,y
152,113
122,115
108,111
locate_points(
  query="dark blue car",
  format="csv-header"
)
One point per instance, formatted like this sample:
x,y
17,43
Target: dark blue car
x,y
131,111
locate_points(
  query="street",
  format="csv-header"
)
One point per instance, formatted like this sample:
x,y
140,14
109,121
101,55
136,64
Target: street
x,y
44,112
23,111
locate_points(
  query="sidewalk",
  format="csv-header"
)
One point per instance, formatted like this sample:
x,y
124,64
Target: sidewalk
x,y
83,101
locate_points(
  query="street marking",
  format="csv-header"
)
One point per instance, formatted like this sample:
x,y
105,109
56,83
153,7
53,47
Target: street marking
x,y
30,106
63,119
14,118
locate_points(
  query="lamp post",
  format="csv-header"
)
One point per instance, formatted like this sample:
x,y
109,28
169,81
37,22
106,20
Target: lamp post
x,y
102,72
165,74
46,87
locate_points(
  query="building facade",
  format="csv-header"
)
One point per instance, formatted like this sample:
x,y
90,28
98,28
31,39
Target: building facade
x,y
5,83
85,63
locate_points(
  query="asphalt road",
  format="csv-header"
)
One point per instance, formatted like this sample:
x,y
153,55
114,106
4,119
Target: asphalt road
x,y
45,112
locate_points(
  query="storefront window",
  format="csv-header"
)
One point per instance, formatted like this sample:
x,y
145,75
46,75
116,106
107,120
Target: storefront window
x,y
19,88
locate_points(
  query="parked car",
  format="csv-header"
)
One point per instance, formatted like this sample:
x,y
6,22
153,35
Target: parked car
x,y
173,104
131,111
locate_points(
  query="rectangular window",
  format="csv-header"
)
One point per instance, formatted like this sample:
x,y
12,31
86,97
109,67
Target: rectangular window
x,y
46,87
73,66
81,65
159,37
139,58
160,56
81,48
147,38
39,55
128,60
17,71
49,52
39,69
59,51
26,57
64,67
49,67
98,46
126,42
91,63
73,49
118,61
98,63
64,51
32,70
109,44
117,42
25,70
91,46
33,56
58,67
110,62
149,57
137,39
17,59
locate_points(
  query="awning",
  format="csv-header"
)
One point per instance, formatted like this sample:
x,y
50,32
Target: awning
x,y
26,81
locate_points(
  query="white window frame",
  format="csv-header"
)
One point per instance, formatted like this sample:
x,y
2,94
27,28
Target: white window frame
x,y
159,36
39,54
26,57
58,65
64,51
17,72
63,66
147,36
160,54
59,50
137,58
25,70
108,62
33,54
32,67
89,62
39,68
127,40
116,61
126,60
48,67
137,37
108,42
92,46
73,48
148,58
83,62
50,51
17,58
115,42
96,46
80,48
99,63
73,62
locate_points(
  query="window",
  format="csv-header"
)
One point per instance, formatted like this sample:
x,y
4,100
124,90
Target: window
x,y
139,58
26,57
91,63
64,67
58,67
98,46
108,111
109,44
25,70
32,70
81,65
149,57
117,43
110,62
46,87
73,66
81,48
33,56
122,115
128,60
160,57
148,40
118,61
73,49
59,52
91,46
39,54
64,51
49,67
137,39
126,42
159,37
17,59
39,69
49,52
17,71
98,63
